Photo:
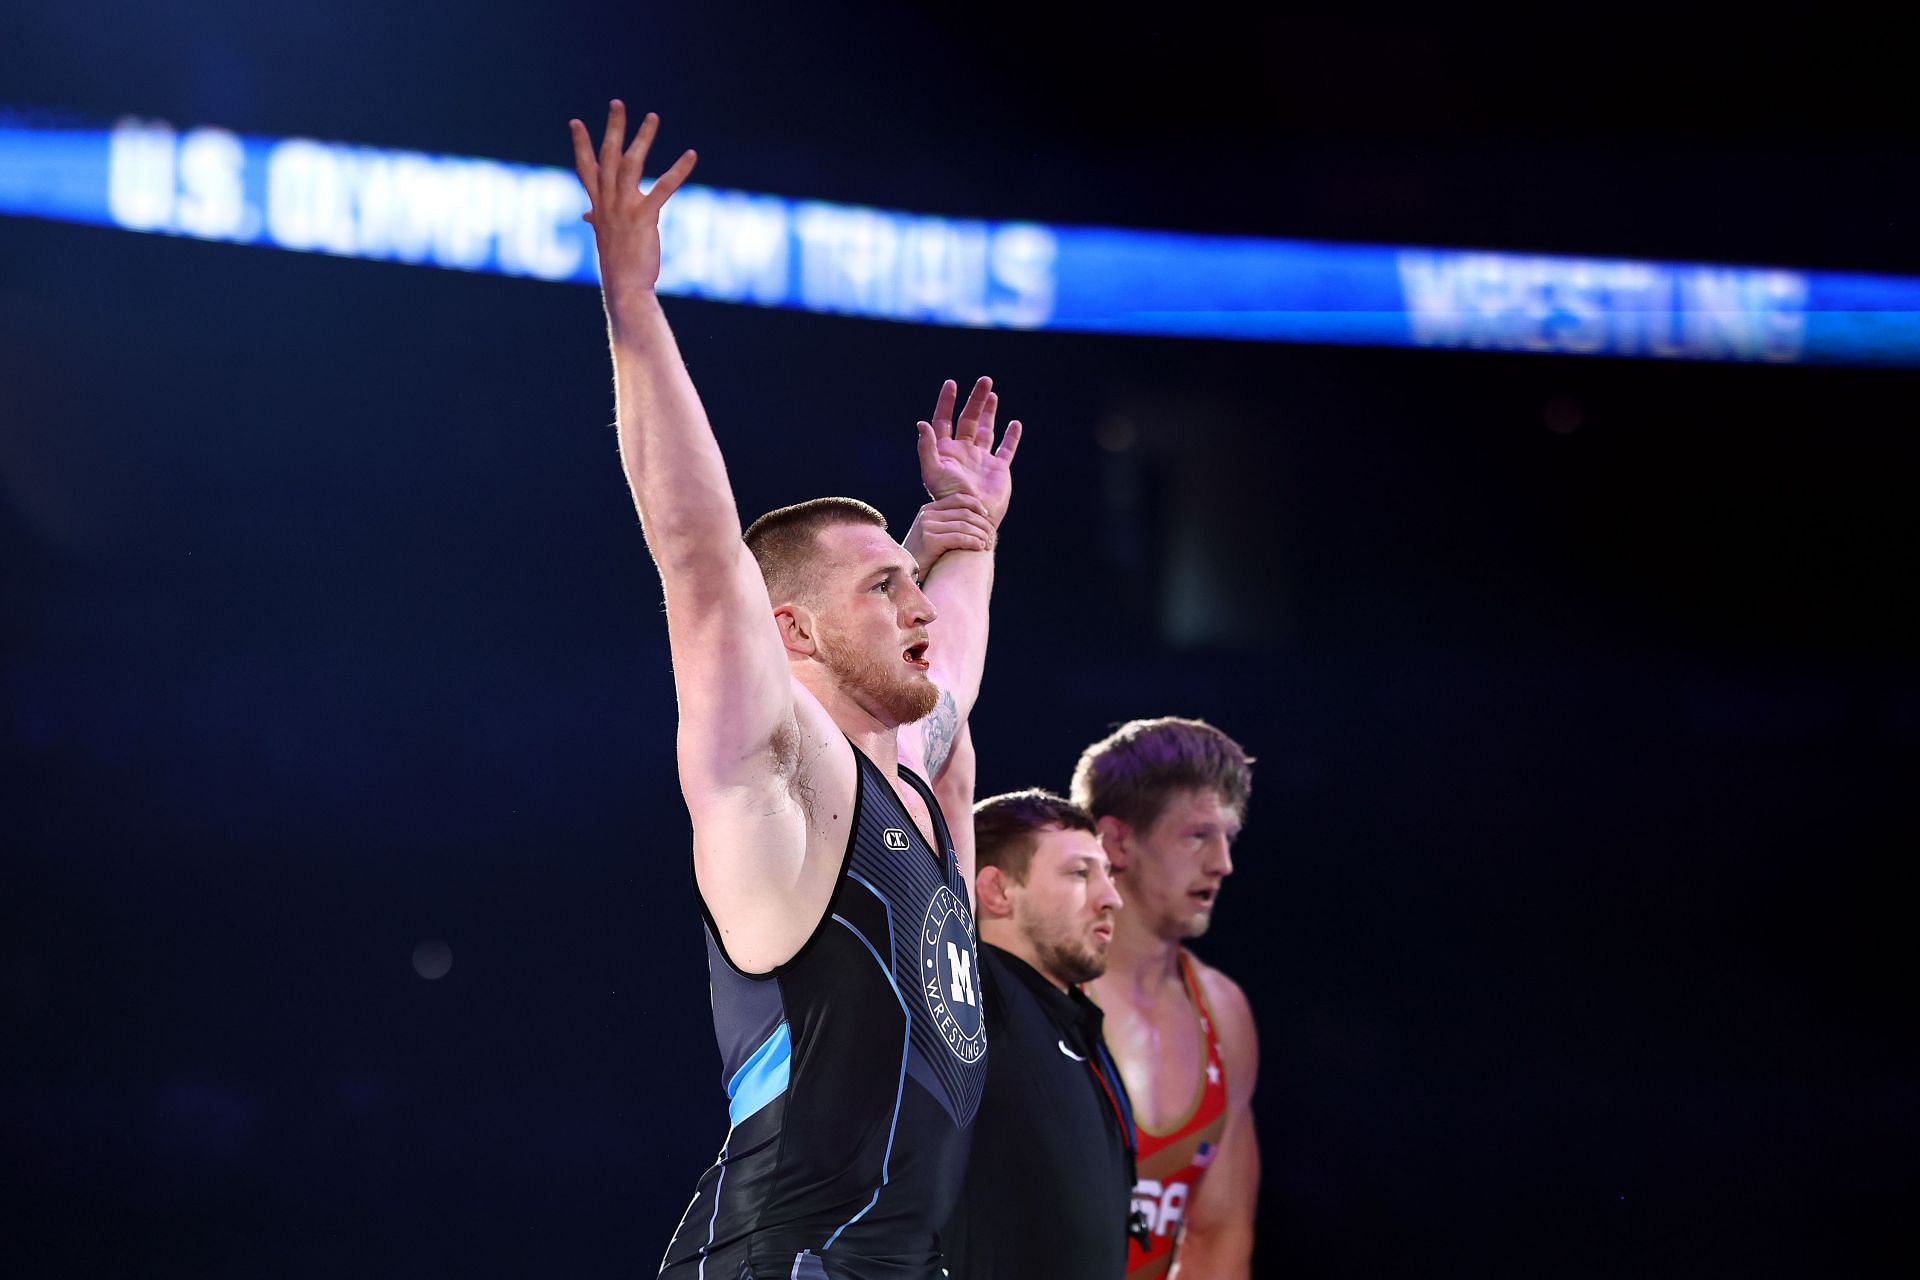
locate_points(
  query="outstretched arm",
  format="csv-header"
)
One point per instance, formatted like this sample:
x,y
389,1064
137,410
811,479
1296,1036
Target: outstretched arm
x,y
955,523
958,459
730,669
954,791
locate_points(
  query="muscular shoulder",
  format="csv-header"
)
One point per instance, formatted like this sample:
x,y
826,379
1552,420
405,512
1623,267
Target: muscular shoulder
x,y
806,758
1233,1021
767,850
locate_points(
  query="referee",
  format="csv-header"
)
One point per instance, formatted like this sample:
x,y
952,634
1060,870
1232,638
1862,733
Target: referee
x,y
1049,1188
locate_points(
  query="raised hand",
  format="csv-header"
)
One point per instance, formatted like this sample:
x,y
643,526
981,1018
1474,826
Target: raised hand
x,y
957,522
960,457
626,223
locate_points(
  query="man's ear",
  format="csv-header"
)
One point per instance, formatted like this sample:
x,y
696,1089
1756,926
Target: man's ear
x,y
796,625
1116,837
992,889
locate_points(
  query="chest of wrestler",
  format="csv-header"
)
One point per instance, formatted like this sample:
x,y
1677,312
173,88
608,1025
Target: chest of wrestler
x,y
1174,1157
1161,1046
889,1041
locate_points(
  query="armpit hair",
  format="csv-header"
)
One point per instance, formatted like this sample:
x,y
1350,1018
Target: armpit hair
x,y
790,764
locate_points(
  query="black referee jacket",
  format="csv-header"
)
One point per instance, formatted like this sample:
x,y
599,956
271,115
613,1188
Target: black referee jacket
x,y
1050,1183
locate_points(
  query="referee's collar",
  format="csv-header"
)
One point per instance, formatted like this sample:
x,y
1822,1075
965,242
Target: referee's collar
x,y
1070,1009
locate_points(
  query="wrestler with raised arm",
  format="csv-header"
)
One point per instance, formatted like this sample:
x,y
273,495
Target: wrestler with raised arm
x,y
840,934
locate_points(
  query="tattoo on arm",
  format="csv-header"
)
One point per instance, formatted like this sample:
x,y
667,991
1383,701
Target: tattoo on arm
x,y
939,730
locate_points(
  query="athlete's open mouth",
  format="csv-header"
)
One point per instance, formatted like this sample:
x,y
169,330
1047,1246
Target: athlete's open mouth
x,y
1204,897
916,655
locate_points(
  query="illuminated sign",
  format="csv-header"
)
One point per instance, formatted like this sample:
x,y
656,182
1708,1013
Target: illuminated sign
x,y
1581,307
735,246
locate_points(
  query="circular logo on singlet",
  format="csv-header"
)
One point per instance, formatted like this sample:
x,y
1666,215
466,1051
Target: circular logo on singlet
x,y
950,975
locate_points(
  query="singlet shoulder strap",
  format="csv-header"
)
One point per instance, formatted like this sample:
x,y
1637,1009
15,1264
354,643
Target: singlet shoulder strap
x,y
1199,998
1188,976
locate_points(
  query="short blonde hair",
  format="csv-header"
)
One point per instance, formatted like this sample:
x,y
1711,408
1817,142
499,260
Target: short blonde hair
x,y
786,542
1131,773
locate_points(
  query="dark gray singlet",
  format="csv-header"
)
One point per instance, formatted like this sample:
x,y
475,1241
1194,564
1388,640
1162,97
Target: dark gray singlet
x,y
852,1071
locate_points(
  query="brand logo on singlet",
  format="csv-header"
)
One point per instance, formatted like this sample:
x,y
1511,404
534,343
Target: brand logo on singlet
x,y
950,974
894,838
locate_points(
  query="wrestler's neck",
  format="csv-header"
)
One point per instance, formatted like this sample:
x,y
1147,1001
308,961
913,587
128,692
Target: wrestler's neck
x,y
874,736
1141,963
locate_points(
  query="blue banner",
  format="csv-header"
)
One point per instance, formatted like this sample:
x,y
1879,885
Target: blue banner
x,y
736,246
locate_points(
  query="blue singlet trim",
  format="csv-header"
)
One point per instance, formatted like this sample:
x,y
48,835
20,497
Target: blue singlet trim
x,y
761,1078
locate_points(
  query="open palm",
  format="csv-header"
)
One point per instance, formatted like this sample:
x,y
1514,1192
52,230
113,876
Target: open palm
x,y
959,457
626,220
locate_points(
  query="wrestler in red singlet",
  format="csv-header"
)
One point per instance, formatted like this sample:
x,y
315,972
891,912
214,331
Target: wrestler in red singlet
x,y
1172,1163
1169,796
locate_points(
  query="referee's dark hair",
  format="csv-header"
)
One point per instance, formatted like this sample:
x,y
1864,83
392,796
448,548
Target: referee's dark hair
x,y
1006,828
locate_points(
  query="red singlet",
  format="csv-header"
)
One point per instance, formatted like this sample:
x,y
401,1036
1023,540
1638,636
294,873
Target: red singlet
x,y
1172,1163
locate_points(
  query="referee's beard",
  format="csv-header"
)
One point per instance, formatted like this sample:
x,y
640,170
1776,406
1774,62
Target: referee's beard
x,y
1066,952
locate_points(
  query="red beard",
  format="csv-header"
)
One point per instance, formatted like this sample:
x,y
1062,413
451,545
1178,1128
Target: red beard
x,y
897,691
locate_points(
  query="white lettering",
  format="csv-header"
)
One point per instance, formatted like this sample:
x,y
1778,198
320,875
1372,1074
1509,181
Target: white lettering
x,y
1514,303
308,199
740,247
464,214
140,159
545,200
904,267
1784,302
212,203
1432,289
1023,258
1173,1206
944,275
1729,312
482,196
1584,328
962,964
839,250
725,245
398,200
1162,1205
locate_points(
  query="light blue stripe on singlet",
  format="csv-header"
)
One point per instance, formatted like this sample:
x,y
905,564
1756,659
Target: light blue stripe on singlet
x,y
906,1034
762,1077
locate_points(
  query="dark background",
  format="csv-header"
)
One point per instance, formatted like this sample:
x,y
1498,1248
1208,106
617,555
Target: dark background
x,y
1584,691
